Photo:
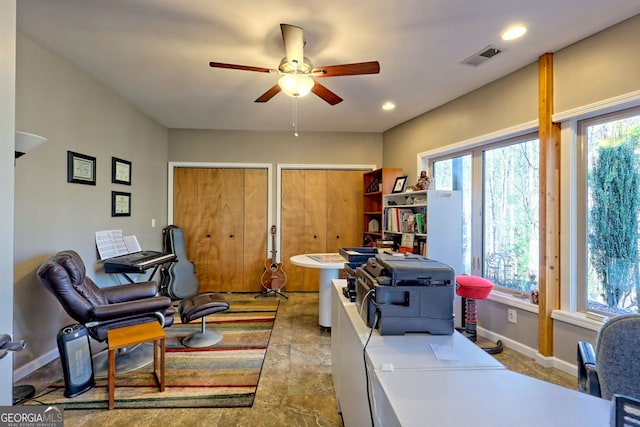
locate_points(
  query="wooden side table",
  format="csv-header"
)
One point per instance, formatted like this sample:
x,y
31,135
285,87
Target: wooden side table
x,y
133,335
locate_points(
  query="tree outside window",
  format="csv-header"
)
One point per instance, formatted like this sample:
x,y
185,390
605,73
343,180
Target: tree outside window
x,y
510,215
613,211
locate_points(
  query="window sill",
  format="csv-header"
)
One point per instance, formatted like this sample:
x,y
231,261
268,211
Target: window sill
x,y
511,300
577,319
572,318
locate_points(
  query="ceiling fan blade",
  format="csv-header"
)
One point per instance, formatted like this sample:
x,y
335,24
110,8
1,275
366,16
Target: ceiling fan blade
x,y
293,39
371,67
273,91
241,67
325,94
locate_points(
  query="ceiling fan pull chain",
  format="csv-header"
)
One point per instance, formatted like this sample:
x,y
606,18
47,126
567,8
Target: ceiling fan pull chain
x,y
295,116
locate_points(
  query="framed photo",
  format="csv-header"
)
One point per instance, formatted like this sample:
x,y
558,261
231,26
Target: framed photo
x,y
81,169
120,203
400,184
120,171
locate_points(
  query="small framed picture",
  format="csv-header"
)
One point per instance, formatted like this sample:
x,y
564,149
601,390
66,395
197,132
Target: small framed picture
x,y
81,169
120,203
120,171
400,184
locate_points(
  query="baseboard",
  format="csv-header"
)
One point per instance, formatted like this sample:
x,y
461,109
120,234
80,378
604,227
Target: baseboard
x,y
546,361
35,364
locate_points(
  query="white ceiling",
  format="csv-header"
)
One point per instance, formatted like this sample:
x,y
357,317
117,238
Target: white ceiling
x,y
155,53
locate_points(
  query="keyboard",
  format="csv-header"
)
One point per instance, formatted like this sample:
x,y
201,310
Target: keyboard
x,y
137,262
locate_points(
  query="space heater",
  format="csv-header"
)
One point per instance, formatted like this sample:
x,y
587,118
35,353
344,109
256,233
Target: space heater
x,y
75,356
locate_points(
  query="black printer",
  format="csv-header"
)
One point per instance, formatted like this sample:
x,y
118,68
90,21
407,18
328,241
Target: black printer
x,y
410,293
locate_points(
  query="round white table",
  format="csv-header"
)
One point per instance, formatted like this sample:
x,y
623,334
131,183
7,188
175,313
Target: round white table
x,y
329,265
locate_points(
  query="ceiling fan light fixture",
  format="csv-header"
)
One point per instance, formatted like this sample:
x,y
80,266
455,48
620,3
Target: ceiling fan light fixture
x,y
296,85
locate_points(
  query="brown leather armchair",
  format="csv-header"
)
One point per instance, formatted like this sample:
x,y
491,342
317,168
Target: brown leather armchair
x,y
101,309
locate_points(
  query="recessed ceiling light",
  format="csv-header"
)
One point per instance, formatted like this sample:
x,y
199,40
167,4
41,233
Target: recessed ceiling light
x,y
514,32
387,106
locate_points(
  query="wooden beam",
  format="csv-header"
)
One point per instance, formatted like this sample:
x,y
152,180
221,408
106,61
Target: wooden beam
x,y
549,136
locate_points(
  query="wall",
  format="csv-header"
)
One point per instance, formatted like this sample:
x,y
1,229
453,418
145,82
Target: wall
x,y
74,112
7,132
275,147
603,66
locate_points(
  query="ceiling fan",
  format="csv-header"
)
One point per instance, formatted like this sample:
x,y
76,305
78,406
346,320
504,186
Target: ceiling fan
x,y
298,73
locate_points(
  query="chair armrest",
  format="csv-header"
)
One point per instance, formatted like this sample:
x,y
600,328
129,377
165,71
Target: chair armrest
x,y
130,308
588,381
130,291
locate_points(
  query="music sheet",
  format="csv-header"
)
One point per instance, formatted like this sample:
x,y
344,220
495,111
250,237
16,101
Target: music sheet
x,y
112,243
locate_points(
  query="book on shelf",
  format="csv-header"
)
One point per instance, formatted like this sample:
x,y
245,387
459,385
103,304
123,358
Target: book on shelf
x,y
401,220
419,223
406,244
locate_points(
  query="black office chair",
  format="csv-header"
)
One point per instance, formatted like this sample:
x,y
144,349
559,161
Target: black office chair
x,y
614,367
102,309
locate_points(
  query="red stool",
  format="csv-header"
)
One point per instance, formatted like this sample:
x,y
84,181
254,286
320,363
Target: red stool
x,y
471,289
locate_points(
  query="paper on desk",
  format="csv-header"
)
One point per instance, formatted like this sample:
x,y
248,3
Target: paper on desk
x,y
443,352
112,243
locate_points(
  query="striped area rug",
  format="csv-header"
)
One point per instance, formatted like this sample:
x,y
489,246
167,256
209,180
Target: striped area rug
x,y
223,376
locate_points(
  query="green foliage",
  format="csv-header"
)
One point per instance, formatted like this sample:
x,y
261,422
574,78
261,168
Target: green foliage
x,y
613,232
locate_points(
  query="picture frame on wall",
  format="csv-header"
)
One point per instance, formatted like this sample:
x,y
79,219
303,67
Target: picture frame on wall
x,y
400,184
120,203
81,169
120,171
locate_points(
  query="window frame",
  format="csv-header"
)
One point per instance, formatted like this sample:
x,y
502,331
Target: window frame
x,y
579,292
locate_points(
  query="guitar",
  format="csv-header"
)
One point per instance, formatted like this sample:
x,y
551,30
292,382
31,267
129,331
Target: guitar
x,y
178,280
274,277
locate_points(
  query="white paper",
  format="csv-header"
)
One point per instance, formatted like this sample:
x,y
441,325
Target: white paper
x,y
132,244
112,243
443,352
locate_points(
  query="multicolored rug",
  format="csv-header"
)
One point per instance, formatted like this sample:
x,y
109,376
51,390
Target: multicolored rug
x,y
223,376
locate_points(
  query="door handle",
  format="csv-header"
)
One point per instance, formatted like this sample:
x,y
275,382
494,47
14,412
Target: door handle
x,y
7,345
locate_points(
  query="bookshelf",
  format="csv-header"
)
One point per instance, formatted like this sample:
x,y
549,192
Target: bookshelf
x,y
430,220
376,183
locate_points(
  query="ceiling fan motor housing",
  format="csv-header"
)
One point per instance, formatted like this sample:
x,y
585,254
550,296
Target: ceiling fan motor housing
x,y
288,68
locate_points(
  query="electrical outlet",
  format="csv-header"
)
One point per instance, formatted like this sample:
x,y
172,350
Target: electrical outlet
x,y
511,316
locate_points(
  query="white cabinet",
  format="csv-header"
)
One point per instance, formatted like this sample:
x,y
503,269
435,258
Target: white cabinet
x,y
429,219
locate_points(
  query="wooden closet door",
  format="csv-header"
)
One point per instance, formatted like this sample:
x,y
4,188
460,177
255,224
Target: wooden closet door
x,y
223,212
321,212
292,223
256,187
221,229
185,207
344,209
315,222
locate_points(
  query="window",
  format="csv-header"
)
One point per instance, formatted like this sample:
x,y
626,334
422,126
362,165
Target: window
x,y
511,232
500,192
610,199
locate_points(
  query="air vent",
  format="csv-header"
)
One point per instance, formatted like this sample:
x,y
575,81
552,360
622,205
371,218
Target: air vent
x,y
482,56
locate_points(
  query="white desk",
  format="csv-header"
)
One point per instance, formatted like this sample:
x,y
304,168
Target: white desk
x,y
427,352
329,265
425,390
480,398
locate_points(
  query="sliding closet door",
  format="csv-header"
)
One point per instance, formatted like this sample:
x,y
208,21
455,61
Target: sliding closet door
x,y
344,209
223,213
321,212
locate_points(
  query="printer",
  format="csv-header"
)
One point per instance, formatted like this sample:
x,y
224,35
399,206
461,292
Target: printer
x,y
409,293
